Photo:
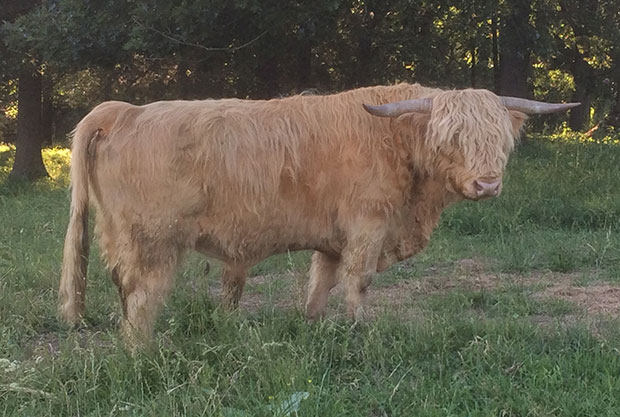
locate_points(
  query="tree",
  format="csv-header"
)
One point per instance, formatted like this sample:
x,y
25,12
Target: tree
x,y
585,34
43,38
28,160
514,49
266,48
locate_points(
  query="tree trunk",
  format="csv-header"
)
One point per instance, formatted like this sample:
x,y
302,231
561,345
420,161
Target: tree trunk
x,y
28,160
515,46
583,76
613,119
269,80
361,74
47,111
495,53
580,116
582,72
184,76
304,64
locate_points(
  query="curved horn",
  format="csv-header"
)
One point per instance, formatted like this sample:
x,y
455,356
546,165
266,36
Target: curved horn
x,y
535,107
395,109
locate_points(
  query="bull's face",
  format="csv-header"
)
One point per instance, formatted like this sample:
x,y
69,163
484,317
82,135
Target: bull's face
x,y
469,136
467,178
462,137
471,163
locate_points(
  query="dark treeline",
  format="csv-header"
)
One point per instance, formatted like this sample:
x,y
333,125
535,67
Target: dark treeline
x,y
58,58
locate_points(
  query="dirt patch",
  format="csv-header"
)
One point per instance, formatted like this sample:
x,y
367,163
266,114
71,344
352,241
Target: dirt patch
x,y
471,265
46,343
288,291
282,291
51,343
598,298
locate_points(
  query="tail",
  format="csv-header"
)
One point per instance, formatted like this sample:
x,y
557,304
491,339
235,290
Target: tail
x,y
72,291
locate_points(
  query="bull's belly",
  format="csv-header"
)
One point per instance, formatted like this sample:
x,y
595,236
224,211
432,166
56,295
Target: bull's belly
x,y
254,255
245,244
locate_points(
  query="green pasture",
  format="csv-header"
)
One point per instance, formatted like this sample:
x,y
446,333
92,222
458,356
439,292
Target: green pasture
x,y
512,310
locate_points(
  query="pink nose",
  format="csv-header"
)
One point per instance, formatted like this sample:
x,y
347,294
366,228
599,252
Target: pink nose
x,y
487,189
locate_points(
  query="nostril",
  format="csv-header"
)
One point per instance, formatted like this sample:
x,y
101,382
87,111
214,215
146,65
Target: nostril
x,y
478,186
487,188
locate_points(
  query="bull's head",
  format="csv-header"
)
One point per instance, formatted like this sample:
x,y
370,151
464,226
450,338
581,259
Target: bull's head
x,y
464,136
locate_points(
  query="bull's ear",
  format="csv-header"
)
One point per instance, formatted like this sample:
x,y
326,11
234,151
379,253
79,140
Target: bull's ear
x,y
410,126
517,118
412,120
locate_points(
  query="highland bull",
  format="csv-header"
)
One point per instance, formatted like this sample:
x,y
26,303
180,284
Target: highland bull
x,y
360,177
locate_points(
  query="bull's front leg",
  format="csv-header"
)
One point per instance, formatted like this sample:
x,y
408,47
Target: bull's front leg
x,y
233,281
359,262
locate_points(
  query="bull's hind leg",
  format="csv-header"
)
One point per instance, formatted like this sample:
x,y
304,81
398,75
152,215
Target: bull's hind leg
x,y
144,277
143,292
322,280
233,281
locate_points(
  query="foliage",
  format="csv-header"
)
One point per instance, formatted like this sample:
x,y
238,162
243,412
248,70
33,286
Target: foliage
x,y
70,33
144,51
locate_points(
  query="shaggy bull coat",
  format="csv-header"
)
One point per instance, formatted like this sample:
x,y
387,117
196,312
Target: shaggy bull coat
x,y
240,180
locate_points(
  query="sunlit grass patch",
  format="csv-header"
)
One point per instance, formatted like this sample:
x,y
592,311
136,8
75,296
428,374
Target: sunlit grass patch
x,y
606,136
56,160
7,157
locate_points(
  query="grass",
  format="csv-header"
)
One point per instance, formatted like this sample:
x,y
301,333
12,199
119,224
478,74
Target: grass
x,y
463,329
